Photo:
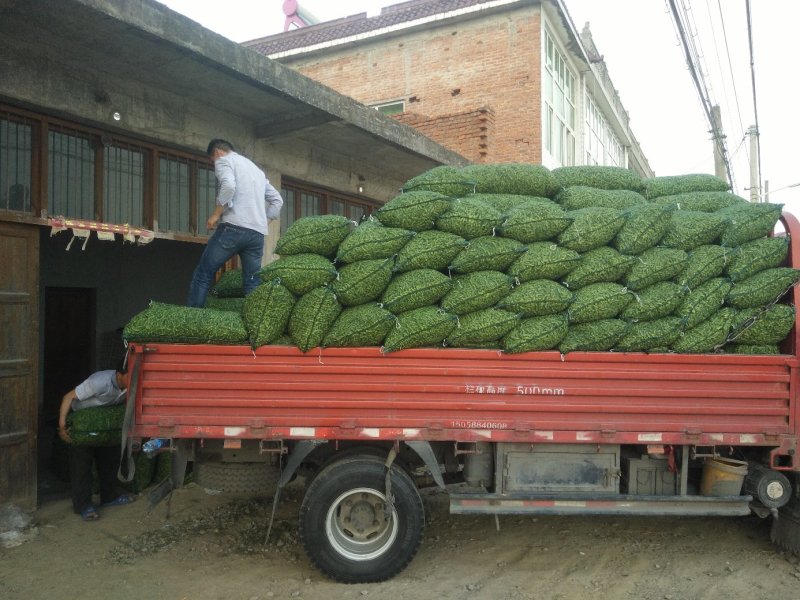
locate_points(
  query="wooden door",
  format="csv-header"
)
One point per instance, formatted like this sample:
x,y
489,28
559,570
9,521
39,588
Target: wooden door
x,y
19,351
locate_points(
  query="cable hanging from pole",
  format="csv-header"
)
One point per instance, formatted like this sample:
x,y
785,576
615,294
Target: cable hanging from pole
x,y
692,61
753,83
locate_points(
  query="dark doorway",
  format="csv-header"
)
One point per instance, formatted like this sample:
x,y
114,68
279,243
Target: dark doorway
x,y
69,342
68,359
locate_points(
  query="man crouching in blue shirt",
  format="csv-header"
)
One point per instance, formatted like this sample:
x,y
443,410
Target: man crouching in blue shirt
x,y
103,388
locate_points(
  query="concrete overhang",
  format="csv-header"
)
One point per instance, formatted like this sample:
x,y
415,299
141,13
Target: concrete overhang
x,y
143,40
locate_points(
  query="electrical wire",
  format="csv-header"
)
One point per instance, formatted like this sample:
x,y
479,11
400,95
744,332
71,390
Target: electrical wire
x,y
753,82
730,64
693,61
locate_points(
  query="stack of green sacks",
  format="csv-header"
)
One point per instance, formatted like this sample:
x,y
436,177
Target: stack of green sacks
x,y
227,293
522,258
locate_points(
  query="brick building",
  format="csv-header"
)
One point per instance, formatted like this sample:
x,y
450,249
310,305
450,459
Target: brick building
x,y
494,80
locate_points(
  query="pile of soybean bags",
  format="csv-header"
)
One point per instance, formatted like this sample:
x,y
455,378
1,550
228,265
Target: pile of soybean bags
x,y
520,258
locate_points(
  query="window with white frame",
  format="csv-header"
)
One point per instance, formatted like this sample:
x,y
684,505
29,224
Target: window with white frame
x,y
559,105
390,108
601,146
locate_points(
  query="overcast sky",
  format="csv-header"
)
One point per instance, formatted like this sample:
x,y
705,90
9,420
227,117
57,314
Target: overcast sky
x,y
642,51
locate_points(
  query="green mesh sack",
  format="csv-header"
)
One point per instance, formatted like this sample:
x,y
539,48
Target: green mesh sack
x,y
644,227
266,312
505,203
544,260
312,317
444,179
752,257
535,222
426,326
599,176
232,304
144,473
689,229
763,288
654,265
578,196
319,234
537,298
596,336
475,291
415,289
161,322
705,262
762,326
707,202
364,325
96,426
645,335
363,281
470,218
300,273
753,349
229,285
283,340
371,241
512,178
591,228
703,301
748,222
655,302
482,326
708,336
416,211
670,185
487,253
163,468
598,265
536,334
598,301
429,250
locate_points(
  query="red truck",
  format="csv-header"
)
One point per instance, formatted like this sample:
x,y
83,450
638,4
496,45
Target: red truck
x,y
600,433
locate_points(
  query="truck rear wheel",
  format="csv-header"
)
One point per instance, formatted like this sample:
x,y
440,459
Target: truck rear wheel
x,y
238,477
349,529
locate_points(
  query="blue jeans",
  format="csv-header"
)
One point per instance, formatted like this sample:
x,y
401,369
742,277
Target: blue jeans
x,y
226,241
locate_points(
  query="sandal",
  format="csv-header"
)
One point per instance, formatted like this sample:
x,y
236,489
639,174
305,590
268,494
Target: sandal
x,y
89,514
120,500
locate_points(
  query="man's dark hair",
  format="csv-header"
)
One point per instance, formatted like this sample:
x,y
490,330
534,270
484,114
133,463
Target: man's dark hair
x,y
122,365
219,144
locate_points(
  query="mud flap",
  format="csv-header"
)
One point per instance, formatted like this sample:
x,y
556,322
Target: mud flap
x,y
786,527
303,449
786,524
180,458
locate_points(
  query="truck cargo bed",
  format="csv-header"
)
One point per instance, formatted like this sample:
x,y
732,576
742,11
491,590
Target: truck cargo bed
x,y
278,392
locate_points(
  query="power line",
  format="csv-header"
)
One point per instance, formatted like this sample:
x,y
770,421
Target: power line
x,y
692,60
730,64
753,81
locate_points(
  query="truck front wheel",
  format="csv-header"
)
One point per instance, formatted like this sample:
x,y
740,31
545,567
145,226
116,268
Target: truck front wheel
x,y
350,531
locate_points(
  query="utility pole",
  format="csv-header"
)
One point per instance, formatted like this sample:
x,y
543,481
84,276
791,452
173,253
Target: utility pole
x,y
752,131
717,137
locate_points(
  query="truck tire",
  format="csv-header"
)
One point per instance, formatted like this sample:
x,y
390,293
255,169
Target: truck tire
x,y
348,530
239,477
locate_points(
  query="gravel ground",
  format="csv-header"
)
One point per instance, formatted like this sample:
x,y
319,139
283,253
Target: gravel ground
x,y
212,547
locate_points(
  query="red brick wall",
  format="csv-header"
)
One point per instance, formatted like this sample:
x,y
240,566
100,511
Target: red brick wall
x,y
467,133
472,86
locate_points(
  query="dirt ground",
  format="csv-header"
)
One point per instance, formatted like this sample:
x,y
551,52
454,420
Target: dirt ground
x,y
211,547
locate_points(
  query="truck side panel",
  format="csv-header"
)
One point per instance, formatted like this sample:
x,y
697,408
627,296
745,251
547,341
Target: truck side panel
x,y
469,395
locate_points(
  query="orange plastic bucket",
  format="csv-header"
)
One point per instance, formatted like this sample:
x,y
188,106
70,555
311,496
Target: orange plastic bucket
x,y
723,477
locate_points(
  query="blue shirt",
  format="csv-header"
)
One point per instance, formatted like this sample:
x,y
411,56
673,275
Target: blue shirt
x,y
246,193
99,389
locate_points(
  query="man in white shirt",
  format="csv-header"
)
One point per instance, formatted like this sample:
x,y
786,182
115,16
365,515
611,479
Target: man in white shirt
x,y
246,202
103,388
